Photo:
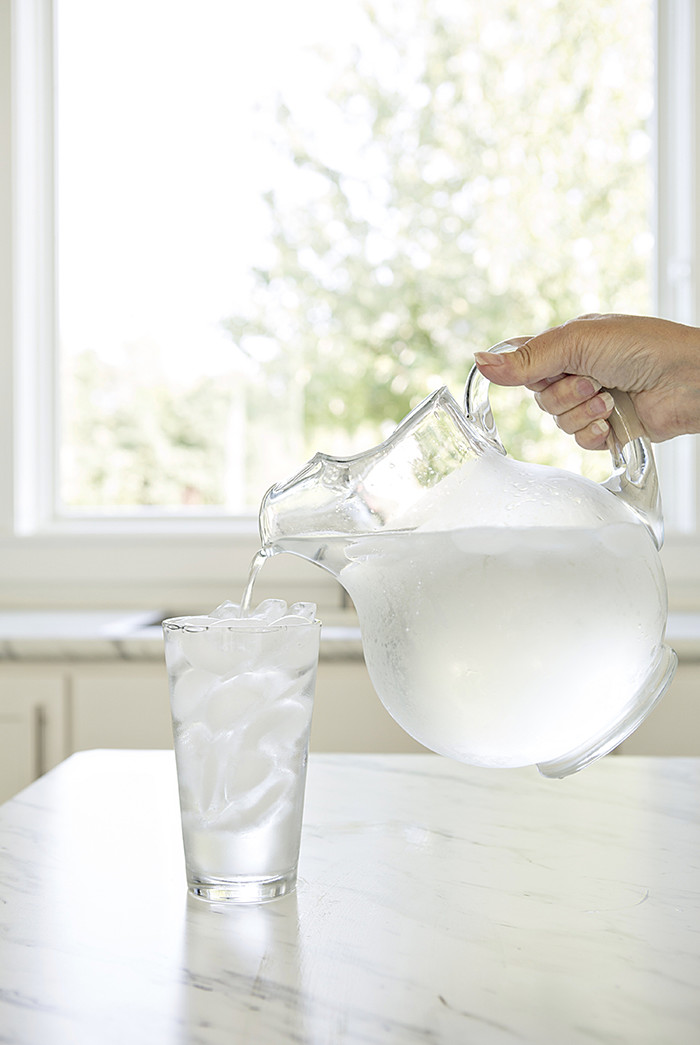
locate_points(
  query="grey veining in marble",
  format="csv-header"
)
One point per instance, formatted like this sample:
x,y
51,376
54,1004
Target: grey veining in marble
x,y
436,903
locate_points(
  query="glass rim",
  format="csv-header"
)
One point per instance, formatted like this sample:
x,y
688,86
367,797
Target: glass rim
x,y
190,624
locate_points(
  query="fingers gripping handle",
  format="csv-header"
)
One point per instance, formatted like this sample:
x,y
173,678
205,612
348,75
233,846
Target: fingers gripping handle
x,y
634,478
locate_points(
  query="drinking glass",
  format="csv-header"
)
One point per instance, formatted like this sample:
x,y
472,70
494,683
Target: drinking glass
x,y
241,696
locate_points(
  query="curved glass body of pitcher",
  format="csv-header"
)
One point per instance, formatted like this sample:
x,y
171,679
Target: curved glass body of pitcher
x,y
511,614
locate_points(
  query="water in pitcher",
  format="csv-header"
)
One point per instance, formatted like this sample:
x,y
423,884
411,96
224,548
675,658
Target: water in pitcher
x,y
504,646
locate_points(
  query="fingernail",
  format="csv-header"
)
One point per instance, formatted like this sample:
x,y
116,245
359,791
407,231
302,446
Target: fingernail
x,y
602,404
587,387
600,428
489,358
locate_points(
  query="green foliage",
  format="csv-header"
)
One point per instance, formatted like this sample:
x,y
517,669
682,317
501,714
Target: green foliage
x,y
475,171
496,186
133,438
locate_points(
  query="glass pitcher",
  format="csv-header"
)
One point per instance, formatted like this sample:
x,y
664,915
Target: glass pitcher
x,y
511,614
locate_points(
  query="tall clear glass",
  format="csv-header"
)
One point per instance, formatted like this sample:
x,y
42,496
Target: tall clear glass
x,y
241,700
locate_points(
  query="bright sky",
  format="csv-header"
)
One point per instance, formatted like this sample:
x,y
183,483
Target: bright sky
x,y
158,175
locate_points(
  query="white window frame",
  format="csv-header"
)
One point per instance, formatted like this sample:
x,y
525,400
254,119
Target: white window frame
x,y
154,560
173,561
677,265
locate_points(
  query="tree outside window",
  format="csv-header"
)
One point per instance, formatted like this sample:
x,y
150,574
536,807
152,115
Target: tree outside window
x,y
452,174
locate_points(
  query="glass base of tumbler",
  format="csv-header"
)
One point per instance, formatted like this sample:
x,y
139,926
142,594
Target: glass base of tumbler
x,y
244,890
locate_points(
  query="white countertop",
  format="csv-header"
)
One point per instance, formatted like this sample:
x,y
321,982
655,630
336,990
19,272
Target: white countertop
x,y
32,635
76,635
437,903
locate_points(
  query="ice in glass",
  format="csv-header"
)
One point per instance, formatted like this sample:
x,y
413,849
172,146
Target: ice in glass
x,y
242,688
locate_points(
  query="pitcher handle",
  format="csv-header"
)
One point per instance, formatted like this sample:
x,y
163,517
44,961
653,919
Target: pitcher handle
x,y
634,477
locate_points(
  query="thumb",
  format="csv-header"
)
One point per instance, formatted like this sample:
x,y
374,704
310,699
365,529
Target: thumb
x,y
524,361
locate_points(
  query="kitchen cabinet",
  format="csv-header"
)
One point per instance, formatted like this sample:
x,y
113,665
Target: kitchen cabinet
x,y
123,705
118,704
50,710
673,727
33,725
348,715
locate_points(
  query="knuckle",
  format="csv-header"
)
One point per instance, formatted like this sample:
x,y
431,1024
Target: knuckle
x,y
564,422
553,398
525,357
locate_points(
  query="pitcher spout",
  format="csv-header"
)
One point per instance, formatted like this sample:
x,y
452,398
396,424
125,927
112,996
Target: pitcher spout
x,y
339,498
299,514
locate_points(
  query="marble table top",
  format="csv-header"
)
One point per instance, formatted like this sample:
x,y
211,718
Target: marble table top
x,y
436,903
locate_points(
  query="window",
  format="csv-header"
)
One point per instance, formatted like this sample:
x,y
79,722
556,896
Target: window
x,y
252,264
277,241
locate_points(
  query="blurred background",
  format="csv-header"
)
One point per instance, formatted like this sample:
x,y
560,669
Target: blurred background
x,y
281,226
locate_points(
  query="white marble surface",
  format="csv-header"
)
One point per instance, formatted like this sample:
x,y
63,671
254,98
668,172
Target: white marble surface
x,y
436,903
33,635
80,634
77,635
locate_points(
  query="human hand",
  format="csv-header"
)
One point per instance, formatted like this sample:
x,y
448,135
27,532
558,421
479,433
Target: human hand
x,y
569,368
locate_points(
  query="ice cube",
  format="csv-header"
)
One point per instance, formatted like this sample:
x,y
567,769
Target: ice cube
x,y
282,727
239,623
307,610
174,657
292,722
293,648
223,642
192,743
188,691
212,782
245,776
232,701
291,620
268,611
227,610
275,800
198,621
208,649
271,802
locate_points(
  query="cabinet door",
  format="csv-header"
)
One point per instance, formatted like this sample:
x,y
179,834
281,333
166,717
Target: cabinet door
x,y
120,705
32,725
18,765
673,727
349,716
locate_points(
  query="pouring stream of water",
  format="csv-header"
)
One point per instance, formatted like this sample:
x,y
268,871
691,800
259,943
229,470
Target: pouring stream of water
x,y
255,568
